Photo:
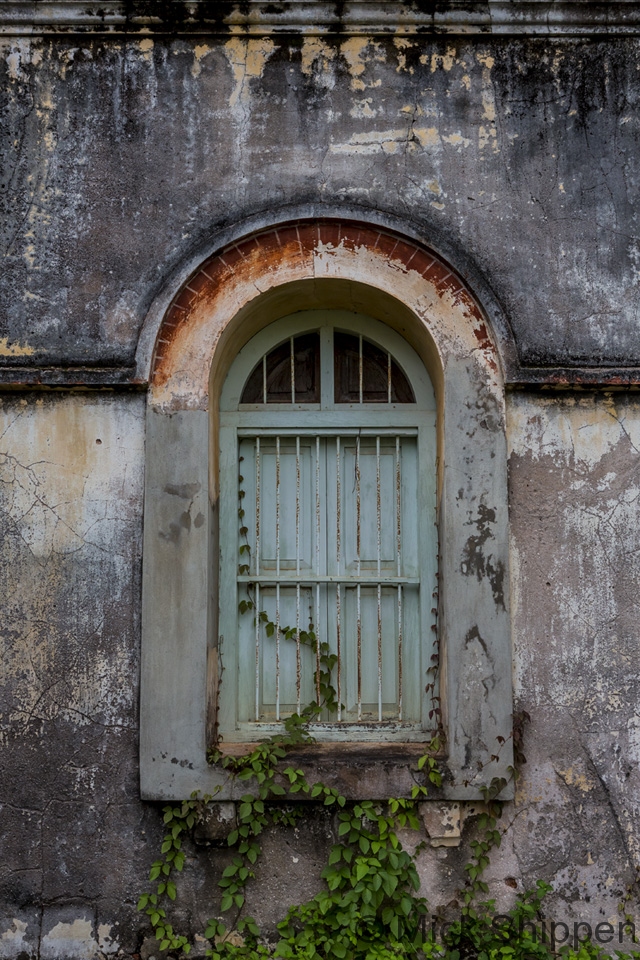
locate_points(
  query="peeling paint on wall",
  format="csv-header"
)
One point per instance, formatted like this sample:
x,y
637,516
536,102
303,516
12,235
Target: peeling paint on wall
x,y
14,349
247,59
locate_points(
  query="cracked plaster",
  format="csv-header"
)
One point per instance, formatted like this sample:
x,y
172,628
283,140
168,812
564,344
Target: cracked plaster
x,y
120,158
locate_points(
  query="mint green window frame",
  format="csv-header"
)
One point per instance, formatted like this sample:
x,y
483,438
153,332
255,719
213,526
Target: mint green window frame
x,y
399,440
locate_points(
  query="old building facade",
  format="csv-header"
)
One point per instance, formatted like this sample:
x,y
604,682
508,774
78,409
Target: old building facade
x,y
187,186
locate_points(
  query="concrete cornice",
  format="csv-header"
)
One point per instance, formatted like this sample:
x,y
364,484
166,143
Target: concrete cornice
x,y
552,18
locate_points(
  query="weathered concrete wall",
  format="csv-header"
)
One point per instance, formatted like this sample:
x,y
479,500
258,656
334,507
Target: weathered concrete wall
x,y
77,842
121,158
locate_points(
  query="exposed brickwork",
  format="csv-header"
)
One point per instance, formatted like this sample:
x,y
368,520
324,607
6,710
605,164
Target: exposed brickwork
x,y
299,242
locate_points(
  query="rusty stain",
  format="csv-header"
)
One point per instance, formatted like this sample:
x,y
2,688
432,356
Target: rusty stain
x,y
296,243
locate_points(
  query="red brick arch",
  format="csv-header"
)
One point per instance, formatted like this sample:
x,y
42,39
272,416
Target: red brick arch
x,y
297,244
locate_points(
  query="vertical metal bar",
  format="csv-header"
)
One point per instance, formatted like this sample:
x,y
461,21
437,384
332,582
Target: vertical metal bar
x,y
399,571
339,646
360,367
293,371
318,644
257,593
378,539
258,504
359,649
358,505
388,378
318,570
399,651
338,564
298,664
317,506
297,506
398,511
358,610
277,631
264,379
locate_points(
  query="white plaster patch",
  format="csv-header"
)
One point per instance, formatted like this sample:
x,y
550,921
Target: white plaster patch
x,y
12,941
633,733
575,431
19,56
69,941
106,942
373,141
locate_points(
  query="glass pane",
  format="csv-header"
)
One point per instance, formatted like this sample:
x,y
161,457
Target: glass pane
x,y
346,367
307,368
401,391
254,387
382,379
306,373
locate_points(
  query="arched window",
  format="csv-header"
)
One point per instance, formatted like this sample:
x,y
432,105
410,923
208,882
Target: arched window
x,y
321,407
328,538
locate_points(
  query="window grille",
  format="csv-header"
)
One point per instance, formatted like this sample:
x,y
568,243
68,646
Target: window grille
x,y
335,450
330,522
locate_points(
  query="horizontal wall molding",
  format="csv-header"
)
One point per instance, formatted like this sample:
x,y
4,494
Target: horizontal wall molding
x,y
551,18
125,378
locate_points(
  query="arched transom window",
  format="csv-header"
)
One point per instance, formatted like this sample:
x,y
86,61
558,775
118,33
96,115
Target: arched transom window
x,y
327,531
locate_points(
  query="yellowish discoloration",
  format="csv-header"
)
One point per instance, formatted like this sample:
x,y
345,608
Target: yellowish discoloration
x,y
445,60
199,51
401,44
427,136
486,136
456,140
146,48
247,59
487,132
486,60
574,779
317,60
15,349
358,51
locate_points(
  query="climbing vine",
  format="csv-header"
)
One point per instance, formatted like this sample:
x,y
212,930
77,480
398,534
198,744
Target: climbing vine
x,y
370,907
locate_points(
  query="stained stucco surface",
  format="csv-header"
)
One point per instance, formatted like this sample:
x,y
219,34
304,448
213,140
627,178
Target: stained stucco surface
x,y
121,157
76,839
120,160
